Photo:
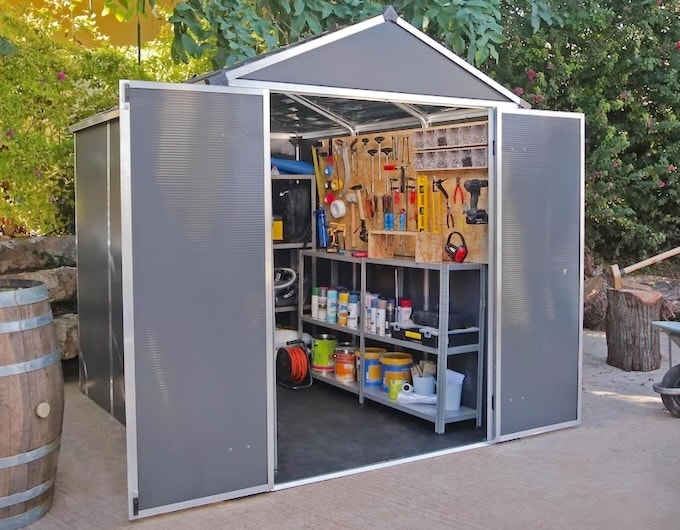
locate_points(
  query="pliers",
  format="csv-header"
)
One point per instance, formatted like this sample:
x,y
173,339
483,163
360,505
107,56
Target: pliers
x,y
458,191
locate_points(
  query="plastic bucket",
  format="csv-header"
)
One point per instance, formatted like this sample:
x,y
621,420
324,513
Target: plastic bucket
x,y
395,366
373,374
453,394
323,349
31,381
345,364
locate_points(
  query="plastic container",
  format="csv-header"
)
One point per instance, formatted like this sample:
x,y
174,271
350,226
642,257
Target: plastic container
x,y
323,303
315,302
353,311
343,308
332,306
395,366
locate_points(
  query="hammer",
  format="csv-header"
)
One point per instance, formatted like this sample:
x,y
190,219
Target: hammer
x,y
363,233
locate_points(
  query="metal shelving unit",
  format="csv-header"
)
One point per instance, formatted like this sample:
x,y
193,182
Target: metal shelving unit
x,y
447,273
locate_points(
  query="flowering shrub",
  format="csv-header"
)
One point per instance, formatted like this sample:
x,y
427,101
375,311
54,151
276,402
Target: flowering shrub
x,y
617,61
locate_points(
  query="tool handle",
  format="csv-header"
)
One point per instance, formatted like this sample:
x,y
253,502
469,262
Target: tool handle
x,y
360,202
651,261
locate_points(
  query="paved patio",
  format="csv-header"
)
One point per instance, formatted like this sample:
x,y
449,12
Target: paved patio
x,y
619,470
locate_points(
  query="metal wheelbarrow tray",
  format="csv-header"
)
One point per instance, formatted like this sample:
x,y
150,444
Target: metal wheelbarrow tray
x,y
669,388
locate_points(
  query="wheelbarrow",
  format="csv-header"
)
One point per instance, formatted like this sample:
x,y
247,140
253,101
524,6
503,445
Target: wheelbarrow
x,y
669,388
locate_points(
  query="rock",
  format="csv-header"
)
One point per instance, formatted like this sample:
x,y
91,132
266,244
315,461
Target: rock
x,y
62,282
66,329
33,253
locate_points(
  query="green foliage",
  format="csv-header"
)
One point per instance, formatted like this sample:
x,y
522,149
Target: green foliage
x,y
47,85
618,61
229,31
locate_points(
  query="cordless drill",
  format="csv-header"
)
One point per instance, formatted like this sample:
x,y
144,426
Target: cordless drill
x,y
474,216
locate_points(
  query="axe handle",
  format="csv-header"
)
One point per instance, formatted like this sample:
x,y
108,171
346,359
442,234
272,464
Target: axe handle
x,y
651,261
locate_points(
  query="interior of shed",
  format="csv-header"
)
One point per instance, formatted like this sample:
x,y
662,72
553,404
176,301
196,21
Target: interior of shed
x,y
427,166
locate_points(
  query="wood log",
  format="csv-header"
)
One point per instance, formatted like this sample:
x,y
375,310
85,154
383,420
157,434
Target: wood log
x,y
595,299
632,342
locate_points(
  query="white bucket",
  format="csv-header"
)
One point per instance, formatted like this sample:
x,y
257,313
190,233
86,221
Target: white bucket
x,y
453,393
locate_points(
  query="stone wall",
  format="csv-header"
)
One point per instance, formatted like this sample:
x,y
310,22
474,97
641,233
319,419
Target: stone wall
x,y
51,260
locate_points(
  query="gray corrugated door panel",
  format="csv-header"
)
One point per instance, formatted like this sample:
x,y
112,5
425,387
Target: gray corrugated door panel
x,y
197,311
92,234
540,260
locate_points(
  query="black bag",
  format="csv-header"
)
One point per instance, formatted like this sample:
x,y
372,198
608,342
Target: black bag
x,y
292,201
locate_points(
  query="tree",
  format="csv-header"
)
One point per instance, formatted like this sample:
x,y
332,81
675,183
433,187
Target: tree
x,y
618,61
229,31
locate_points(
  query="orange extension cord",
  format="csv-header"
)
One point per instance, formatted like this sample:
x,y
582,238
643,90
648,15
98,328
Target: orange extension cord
x,y
299,365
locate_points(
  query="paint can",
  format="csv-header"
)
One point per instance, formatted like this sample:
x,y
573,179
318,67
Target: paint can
x,y
373,374
345,366
323,348
395,366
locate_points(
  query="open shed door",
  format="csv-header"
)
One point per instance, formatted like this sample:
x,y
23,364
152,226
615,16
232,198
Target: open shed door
x,y
539,270
197,310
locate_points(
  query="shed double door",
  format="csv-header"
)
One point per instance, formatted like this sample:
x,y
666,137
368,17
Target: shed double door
x,y
197,316
538,218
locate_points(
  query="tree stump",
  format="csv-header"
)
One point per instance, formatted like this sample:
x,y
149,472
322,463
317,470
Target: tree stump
x,y
632,342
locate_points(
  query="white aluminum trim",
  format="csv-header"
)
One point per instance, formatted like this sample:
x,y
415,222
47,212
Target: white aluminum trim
x,y
351,127
381,465
128,306
102,117
492,266
539,430
409,109
495,125
581,273
269,311
371,95
154,85
298,49
194,503
460,62
110,265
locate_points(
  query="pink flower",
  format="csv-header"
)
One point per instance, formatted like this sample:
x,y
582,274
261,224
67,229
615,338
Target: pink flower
x,y
531,74
549,66
537,98
623,96
662,184
9,133
677,45
61,76
616,163
519,90
650,123
671,168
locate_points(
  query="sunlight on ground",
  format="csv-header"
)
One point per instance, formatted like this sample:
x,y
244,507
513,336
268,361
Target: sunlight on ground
x,y
638,400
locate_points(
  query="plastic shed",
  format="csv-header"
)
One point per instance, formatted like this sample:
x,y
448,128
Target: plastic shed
x,y
173,216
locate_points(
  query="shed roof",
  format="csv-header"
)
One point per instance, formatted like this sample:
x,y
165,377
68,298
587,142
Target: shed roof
x,y
349,78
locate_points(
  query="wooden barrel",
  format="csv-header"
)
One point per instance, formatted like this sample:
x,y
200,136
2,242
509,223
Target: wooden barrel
x,y
31,403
